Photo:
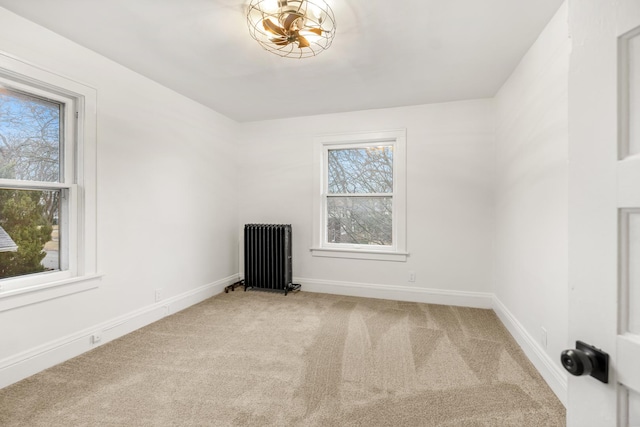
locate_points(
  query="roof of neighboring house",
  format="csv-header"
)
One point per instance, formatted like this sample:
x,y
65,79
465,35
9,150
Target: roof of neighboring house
x,y
6,242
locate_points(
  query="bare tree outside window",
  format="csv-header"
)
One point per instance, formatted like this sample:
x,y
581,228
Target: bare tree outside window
x,y
29,137
30,145
360,195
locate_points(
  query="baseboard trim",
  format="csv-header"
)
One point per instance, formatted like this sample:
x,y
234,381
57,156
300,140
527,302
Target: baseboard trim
x,y
552,373
397,293
30,362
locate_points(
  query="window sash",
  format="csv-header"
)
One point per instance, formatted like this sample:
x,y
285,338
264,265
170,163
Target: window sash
x,y
359,181
351,224
67,222
16,91
68,106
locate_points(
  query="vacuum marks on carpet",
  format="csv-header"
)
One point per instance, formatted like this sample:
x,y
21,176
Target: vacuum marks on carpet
x,y
260,359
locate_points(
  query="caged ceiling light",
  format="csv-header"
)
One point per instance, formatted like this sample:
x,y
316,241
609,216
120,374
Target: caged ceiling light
x,y
292,28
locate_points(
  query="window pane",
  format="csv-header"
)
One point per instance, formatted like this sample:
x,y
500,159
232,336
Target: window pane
x,y
29,137
361,170
359,220
29,240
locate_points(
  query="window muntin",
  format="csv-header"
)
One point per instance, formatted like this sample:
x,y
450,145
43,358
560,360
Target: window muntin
x,y
360,208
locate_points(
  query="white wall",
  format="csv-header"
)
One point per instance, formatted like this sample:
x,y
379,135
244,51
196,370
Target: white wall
x,y
167,197
450,200
531,194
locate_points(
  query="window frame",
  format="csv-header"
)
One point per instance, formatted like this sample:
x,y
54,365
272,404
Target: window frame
x,y
77,182
397,251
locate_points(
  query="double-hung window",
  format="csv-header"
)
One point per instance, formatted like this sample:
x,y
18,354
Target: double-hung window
x,y
360,187
37,194
47,185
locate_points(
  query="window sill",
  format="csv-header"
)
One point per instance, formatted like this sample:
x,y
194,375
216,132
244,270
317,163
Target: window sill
x,y
15,298
360,254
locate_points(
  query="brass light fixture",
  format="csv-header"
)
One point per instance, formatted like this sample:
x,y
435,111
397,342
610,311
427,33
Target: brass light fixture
x,y
292,28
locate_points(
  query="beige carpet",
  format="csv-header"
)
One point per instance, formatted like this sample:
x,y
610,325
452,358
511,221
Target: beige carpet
x,y
262,359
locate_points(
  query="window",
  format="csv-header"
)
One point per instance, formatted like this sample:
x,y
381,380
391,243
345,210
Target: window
x,y
360,206
34,196
47,185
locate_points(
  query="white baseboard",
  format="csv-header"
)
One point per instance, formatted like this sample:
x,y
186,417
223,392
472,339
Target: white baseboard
x,y
398,293
30,362
555,377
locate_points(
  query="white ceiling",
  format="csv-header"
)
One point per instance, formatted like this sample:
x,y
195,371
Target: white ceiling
x,y
385,54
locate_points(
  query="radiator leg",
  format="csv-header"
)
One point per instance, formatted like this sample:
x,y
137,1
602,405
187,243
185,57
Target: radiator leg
x,y
291,287
233,287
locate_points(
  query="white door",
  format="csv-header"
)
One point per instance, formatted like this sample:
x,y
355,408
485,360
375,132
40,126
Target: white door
x,y
604,207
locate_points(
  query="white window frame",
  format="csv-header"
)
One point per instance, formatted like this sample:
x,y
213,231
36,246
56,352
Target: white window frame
x,y
397,251
78,184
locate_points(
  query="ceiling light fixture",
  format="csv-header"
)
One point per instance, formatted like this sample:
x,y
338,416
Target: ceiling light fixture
x,y
292,28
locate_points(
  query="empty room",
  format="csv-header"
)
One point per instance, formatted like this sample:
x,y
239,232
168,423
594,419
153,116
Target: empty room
x,y
320,213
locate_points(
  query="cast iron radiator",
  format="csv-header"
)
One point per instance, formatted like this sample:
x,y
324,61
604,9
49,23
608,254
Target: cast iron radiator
x,y
267,257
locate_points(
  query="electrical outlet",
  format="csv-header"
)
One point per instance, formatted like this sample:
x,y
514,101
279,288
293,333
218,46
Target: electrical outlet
x,y
158,295
412,276
96,338
543,338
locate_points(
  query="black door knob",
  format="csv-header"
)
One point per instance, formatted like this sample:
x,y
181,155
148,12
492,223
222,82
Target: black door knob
x,y
577,362
586,360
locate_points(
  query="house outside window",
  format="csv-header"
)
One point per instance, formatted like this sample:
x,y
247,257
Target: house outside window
x,y
6,242
47,185
360,196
